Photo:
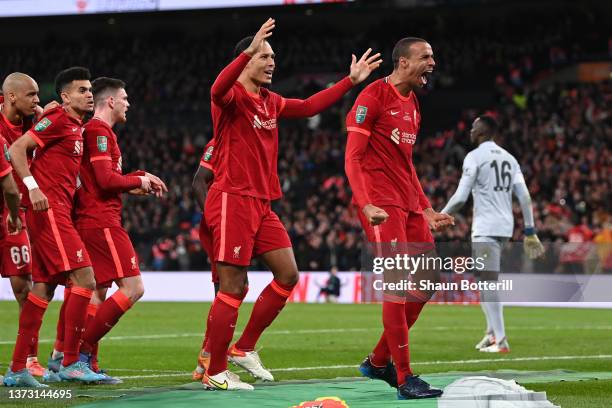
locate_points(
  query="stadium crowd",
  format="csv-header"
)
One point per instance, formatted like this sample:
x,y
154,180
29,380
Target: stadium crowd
x,y
561,134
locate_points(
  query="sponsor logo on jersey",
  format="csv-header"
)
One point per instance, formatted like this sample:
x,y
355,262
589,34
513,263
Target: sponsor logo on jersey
x,y
360,114
208,154
78,148
265,124
79,255
395,136
398,137
102,142
7,155
134,264
42,125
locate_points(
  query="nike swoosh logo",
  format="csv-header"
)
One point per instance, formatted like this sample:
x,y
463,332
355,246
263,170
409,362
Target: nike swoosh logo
x,y
21,266
405,345
394,113
222,386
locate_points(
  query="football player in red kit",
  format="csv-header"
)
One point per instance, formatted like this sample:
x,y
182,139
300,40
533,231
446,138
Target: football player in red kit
x,y
237,209
382,130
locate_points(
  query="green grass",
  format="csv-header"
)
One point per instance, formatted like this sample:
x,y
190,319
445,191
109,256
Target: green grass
x,y
164,338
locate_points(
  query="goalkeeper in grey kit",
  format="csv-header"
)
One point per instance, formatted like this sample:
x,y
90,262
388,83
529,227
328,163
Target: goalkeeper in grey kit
x,y
493,175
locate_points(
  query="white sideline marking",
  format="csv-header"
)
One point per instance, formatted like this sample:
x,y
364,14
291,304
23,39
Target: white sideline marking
x,y
201,335
317,331
475,361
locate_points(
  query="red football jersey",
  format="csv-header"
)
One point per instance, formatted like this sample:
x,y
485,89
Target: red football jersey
x,y
57,159
5,168
391,122
246,143
97,207
11,133
208,157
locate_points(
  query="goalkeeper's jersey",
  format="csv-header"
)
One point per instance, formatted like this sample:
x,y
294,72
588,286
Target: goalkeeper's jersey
x,y
492,172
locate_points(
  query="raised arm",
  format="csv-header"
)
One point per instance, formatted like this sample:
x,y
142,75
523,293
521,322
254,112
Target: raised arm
x,y
317,103
221,90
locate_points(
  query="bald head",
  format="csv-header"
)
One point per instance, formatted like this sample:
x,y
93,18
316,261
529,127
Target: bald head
x,y
17,81
20,93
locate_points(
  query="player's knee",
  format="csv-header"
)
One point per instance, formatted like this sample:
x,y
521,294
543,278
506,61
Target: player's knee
x,y
289,279
21,294
136,292
84,278
21,287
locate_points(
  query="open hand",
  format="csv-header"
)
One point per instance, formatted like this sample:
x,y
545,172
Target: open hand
x,y
264,32
362,68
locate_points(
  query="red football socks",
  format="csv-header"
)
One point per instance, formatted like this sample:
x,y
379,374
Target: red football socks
x,y
379,357
30,319
269,304
412,310
105,319
206,343
75,316
222,323
396,333
61,323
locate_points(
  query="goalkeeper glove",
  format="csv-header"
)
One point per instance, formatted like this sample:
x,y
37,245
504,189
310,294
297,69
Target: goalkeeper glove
x,y
533,247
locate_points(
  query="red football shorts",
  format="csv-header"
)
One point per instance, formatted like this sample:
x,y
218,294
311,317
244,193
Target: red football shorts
x,y
15,251
242,227
207,244
56,245
407,229
112,254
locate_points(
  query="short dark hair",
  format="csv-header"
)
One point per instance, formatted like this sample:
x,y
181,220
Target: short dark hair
x,y
490,123
402,49
103,86
242,45
65,78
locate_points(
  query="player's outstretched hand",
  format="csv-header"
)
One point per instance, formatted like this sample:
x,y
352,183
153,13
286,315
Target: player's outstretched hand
x,y
39,200
533,247
264,32
14,226
438,221
158,187
361,69
375,215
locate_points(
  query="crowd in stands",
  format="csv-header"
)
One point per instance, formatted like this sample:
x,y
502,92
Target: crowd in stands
x,y
561,134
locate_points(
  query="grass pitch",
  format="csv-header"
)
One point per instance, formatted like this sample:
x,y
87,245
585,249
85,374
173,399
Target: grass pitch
x,y
155,345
